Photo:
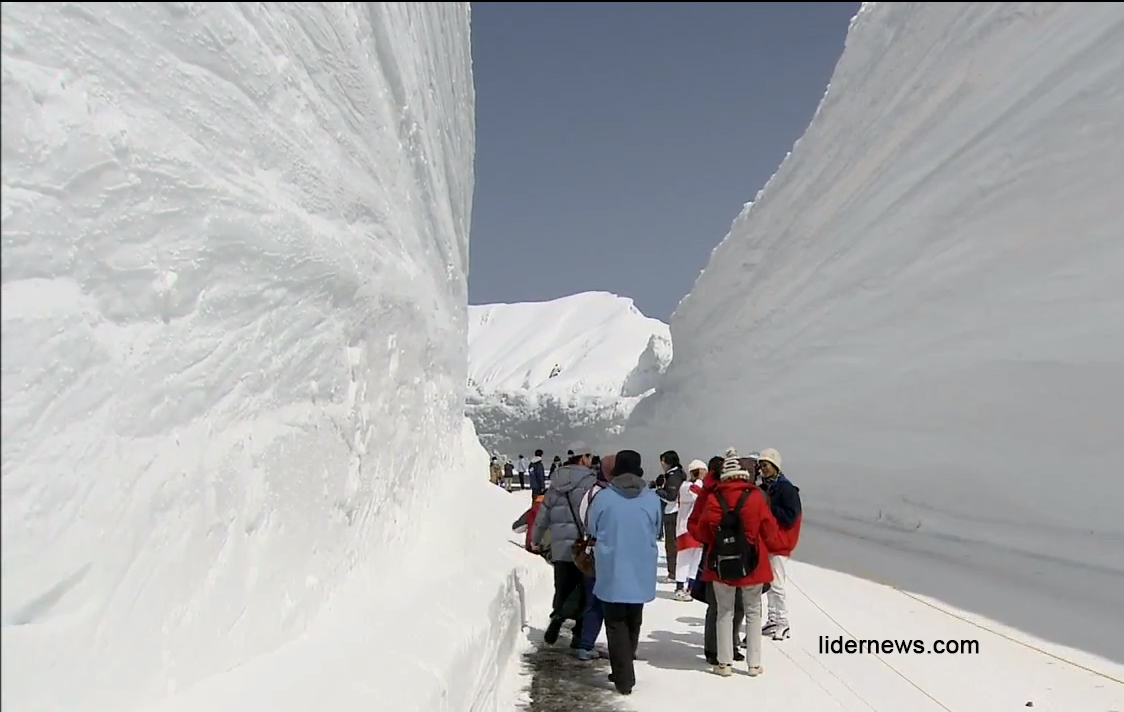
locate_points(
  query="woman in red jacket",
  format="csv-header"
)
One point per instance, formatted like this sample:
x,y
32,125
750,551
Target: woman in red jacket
x,y
761,531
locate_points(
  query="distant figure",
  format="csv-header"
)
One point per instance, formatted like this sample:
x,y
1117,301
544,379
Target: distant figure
x,y
521,470
554,465
508,474
538,475
495,470
623,520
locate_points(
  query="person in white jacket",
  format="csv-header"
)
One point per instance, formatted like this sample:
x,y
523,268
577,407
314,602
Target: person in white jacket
x,y
689,549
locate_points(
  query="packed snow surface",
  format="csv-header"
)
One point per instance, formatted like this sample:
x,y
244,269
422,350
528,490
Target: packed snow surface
x,y
984,667
923,311
235,239
545,373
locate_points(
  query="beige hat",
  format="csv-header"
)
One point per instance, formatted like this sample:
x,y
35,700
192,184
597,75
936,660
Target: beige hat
x,y
696,465
770,455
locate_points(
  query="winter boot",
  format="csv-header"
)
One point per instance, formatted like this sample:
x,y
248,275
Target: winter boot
x,y
550,637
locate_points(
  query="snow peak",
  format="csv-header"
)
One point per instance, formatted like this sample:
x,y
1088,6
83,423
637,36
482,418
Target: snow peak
x,y
889,646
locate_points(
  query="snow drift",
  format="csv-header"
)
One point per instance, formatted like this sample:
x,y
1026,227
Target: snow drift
x,y
235,245
546,373
923,309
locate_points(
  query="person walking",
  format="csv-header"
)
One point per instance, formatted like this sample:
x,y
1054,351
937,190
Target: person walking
x,y
623,521
594,615
521,466
558,516
538,475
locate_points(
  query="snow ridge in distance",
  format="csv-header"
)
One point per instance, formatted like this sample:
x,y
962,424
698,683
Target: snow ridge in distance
x,y
234,320
922,308
544,373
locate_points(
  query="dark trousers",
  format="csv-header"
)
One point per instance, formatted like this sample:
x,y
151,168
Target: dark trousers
x,y
522,481
669,548
622,632
710,630
568,603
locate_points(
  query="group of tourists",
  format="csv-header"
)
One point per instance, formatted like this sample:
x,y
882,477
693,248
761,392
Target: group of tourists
x,y
728,528
504,472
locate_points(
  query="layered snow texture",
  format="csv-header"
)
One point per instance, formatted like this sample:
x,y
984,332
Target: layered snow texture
x,y
235,239
541,374
924,308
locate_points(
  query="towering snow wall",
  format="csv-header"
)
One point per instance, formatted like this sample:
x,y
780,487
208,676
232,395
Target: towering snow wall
x,y
924,308
235,239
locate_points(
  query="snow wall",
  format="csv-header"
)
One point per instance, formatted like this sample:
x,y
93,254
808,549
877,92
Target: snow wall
x,y
923,310
235,240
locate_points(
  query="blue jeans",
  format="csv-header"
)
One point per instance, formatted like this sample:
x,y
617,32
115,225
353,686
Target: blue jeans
x,y
592,618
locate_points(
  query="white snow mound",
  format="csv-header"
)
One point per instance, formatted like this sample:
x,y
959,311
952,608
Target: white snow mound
x,y
545,373
923,308
235,245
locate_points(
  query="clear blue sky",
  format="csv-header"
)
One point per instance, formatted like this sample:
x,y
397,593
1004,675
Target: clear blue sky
x,y
616,142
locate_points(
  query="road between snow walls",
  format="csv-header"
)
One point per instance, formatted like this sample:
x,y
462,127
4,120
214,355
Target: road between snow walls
x,y
856,646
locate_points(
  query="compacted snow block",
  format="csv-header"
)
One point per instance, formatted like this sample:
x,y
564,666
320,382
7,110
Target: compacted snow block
x,y
922,308
234,317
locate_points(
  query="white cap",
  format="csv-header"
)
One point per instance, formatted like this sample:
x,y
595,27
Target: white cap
x,y
696,465
770,455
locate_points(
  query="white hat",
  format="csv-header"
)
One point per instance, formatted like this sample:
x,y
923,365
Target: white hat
x,y
770,455
696,465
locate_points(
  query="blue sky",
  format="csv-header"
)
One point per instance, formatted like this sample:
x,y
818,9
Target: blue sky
x,y
616,142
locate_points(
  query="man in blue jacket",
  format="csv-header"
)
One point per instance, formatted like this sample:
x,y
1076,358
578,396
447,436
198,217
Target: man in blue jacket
x,y
538,475
624,519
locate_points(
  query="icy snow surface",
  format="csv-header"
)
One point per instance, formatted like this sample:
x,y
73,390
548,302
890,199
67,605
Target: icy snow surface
x,y
541,374
924,311
235,238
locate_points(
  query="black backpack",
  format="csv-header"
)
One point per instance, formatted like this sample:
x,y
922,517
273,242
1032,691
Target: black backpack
x,y
734,555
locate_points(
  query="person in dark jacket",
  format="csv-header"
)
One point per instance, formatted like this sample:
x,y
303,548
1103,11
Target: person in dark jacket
x,y
784,503
538,475
673,479
559,516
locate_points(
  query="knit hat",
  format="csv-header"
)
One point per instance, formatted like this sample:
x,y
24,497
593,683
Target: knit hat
x,y
696,465
770,455
731,467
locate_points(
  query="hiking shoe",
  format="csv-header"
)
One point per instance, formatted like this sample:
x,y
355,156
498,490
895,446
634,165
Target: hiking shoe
x,y
755,671
781,632
768,629
723,670
550,637
587,655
